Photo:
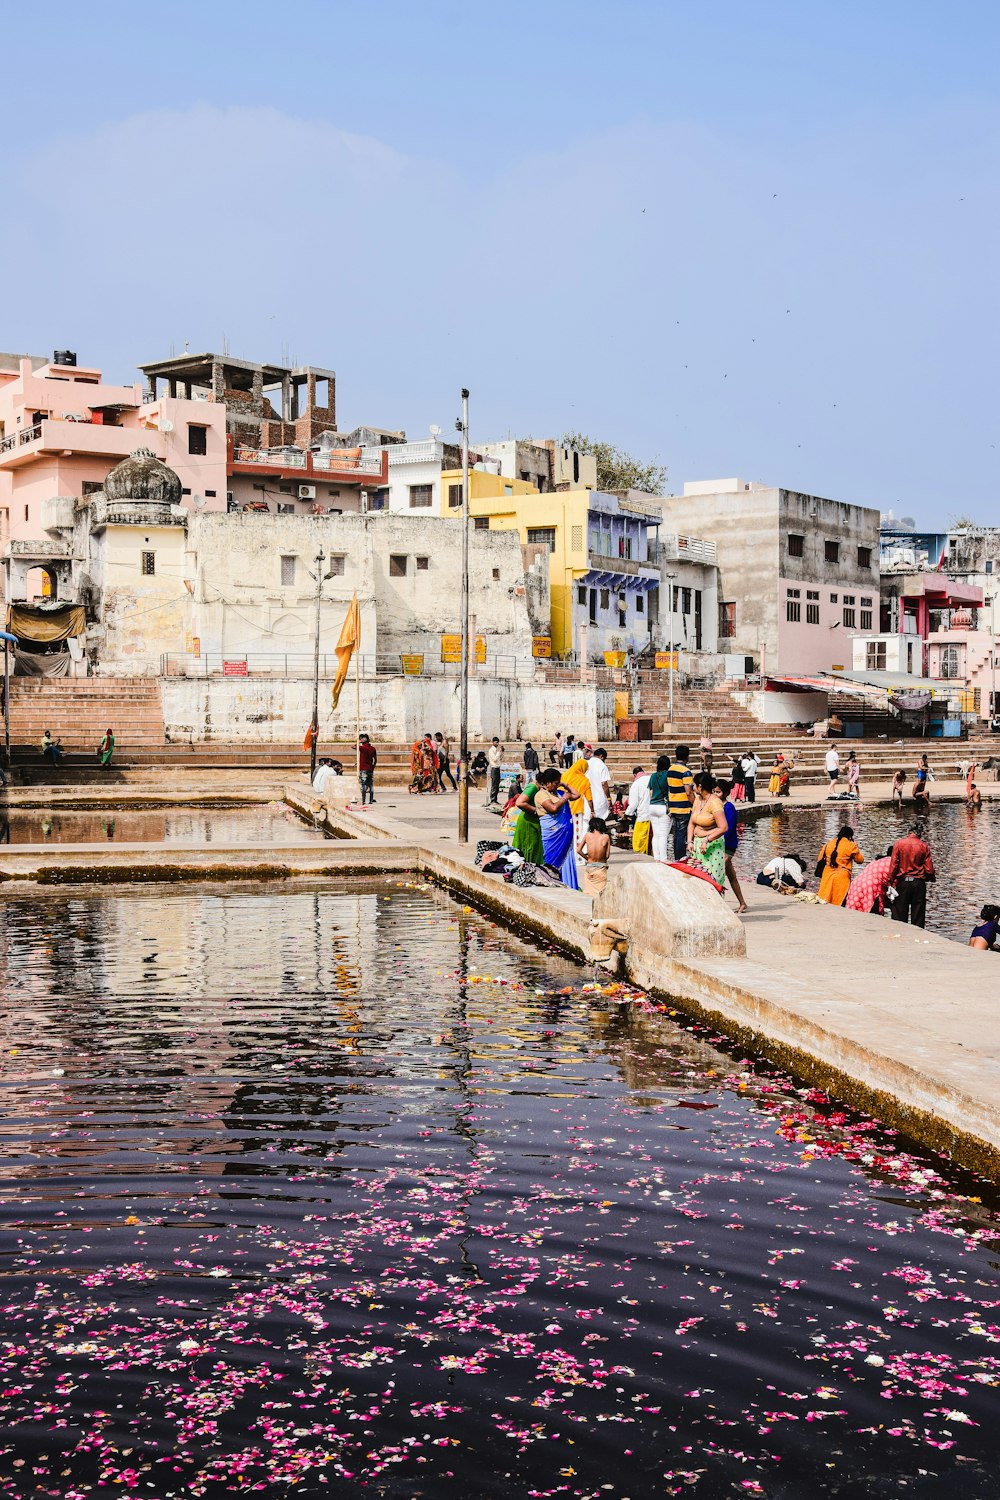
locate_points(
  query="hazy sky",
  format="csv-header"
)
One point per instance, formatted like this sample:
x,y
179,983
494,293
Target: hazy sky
x,y
748,239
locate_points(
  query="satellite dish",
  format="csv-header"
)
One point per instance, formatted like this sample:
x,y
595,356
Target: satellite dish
x,y
435,430
166,425
199,500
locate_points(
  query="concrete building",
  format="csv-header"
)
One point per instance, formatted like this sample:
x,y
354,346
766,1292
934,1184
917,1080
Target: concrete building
x,y
798,574
547,465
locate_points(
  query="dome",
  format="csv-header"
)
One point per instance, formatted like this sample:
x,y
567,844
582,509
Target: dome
x,y
143,477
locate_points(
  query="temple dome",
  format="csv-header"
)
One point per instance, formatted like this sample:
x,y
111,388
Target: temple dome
x,y
143,477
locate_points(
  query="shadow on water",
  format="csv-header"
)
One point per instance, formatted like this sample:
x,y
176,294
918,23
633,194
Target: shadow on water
x,y
341,1187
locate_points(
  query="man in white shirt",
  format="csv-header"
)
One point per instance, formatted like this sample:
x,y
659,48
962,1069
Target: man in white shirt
x,y
749,763
638,807
600,780
494,760
324,775
833,766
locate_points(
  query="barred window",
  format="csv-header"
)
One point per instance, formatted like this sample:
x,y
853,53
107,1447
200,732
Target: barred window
x,y
148,564
793,609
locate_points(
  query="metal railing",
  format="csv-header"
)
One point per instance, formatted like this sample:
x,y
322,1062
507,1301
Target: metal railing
x,y
292,664
413,453
21,438
327,461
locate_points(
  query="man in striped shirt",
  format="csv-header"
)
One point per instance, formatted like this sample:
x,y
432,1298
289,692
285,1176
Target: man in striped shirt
x,y
680,798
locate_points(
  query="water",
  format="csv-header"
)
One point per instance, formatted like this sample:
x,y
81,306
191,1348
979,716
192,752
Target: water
x,y
272,824
343,1187
965,846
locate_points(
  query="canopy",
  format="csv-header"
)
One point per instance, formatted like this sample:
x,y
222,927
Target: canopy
x,y
46,625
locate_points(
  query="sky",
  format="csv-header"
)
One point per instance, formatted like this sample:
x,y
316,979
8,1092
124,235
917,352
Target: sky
x,y
744,240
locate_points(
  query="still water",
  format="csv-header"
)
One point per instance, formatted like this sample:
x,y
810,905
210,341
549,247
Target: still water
x,y
965,846
270,824
344,1191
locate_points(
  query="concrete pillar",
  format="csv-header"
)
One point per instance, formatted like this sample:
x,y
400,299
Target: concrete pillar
x,y
286,398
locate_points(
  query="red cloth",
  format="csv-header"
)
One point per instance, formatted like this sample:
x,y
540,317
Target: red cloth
x,y
367,757
911,857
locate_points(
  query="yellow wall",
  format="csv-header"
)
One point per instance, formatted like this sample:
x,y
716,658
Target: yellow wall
x,y
482,486
566,512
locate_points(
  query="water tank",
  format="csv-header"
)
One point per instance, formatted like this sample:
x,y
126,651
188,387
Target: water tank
x,y
64,357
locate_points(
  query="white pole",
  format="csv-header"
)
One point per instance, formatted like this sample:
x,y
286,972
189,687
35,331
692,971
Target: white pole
x,y
670,659
463,730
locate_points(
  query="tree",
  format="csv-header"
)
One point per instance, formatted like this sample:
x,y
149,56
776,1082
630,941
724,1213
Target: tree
x,y
616,469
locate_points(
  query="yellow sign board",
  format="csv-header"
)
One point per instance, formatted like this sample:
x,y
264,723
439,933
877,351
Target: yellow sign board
x,y
451,648
413,666
664,661
541,645
614,658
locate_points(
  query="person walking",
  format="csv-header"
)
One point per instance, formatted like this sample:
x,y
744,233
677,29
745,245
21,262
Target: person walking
x,y
443,744
530,758
707,829
106,748
681,799
722,790
833,766
367,761
705,745
854,775
569,751
494,760
556,750
637,807
600,780
834,867
910,870
659,810
750,762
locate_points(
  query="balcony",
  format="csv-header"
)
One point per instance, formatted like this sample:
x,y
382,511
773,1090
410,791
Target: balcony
x,y
628,567
343,467
59,435
686,549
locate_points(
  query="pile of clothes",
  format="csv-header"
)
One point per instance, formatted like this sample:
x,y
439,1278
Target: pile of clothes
x,y
495,858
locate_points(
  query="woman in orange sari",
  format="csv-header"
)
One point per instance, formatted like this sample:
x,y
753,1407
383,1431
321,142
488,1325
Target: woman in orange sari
x,y
839,856
580,804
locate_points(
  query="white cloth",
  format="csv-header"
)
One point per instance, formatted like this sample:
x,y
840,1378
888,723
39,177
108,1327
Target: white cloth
x,y
661,824
494,757
638,799
787,870
749,764
832,760
599,777
324,775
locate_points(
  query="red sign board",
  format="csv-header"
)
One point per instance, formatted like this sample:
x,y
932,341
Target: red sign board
x,y
234,669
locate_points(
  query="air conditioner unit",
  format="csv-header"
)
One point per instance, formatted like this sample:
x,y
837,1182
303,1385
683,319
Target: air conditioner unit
x,y
307,492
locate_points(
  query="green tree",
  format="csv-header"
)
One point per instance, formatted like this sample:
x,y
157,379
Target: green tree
x,y
616,469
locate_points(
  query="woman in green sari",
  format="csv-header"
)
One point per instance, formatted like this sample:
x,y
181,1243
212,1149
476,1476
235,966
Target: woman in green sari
x,y
106,749
527,838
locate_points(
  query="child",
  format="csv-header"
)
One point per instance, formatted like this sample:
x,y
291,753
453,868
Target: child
x,y
595,846
898,782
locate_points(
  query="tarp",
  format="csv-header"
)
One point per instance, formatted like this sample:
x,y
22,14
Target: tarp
x,y
41,664
46,625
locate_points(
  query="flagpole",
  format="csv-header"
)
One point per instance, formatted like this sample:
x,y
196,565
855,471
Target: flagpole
x,y
463,710
357,704
320,557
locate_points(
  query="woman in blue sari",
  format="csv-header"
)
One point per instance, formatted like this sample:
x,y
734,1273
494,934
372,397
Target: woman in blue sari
x,y
552,805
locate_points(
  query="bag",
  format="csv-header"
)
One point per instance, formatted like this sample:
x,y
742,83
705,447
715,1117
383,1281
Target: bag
x,y
820,866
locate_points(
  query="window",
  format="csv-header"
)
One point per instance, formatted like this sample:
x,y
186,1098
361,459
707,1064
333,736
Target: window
x,y
848,598
423,564
336,568
91,487
864,557
875,656
577,540
796,545
605,598
397,566
989,565
187,491
850,616
831,551
793,609
496,575
210,494
283,489
148,564
812,606
640,605
581,594
833,598
287,572
546,535
794,594
950,662
421,496
593,606
685,601
727,619
454,496
866,619
197,439
622,618
481,523
285,509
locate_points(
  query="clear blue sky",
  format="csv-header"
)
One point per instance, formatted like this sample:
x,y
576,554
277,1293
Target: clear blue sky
x,y
748,239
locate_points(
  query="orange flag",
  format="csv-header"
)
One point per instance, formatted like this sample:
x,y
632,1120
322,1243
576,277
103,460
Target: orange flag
x,y
350,639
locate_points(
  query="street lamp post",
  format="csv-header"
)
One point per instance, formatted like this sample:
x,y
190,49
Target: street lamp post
x,y
670,659
993,657
463,729
320,558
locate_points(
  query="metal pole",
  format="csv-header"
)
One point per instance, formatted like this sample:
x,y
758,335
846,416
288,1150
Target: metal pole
x,y
463,729
357,703
993,662
670,659
6,705
320,557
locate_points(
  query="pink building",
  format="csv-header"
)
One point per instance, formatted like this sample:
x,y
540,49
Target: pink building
x,y
62,430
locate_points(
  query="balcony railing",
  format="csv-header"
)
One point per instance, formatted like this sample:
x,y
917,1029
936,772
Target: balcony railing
x,y
21,438
414,453
309,463
363,465
686,549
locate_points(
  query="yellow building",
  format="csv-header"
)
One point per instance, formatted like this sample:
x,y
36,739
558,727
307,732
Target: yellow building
x,y
482,486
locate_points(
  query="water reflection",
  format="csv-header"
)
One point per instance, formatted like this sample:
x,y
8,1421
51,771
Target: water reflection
x,y
272,824
346,1188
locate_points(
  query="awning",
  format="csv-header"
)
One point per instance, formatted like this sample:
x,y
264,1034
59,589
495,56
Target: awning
x,y
46,625
877,696
619,581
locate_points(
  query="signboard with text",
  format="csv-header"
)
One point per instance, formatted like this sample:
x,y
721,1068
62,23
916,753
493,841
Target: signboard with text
x,y
666,661
413,666
614,658
451,648
234,669
541,645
